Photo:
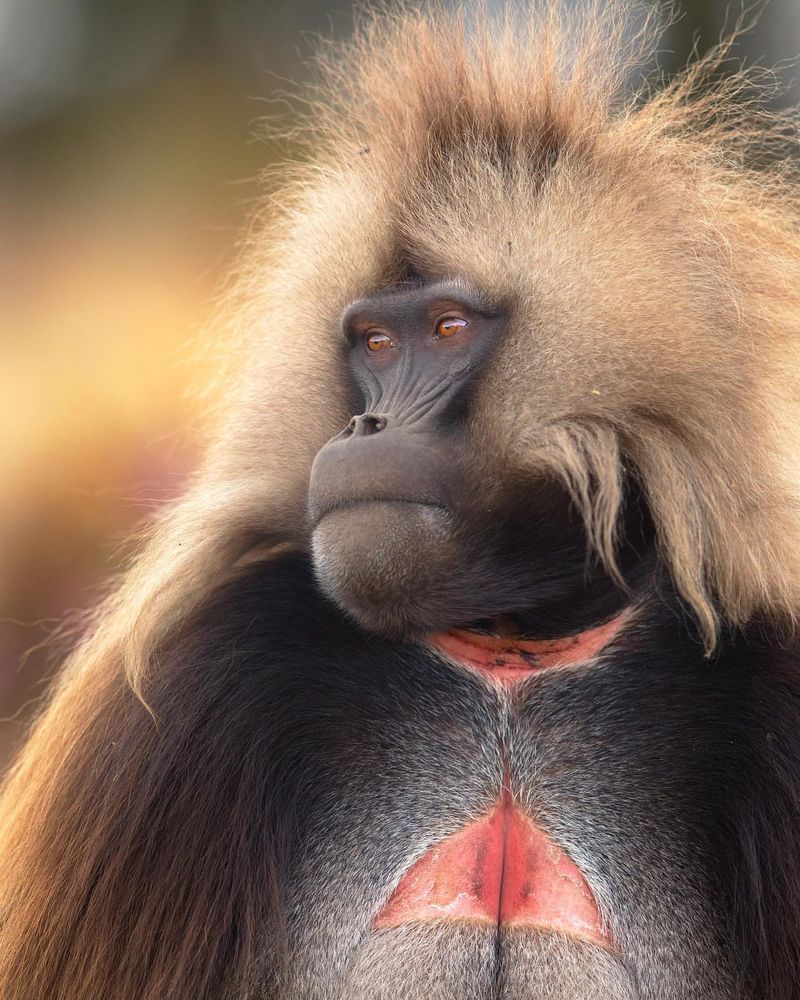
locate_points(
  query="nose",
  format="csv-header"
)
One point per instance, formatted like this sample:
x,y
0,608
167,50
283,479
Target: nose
x,y
366,424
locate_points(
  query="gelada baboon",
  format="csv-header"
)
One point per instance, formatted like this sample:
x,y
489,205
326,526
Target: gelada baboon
x,y
465,669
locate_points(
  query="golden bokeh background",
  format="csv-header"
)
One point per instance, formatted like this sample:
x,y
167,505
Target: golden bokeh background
x,y
130,147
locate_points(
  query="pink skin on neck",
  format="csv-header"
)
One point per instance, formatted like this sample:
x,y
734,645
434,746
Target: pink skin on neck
x,y
508,661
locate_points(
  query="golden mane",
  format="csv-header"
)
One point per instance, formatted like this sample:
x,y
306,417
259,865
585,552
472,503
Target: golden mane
x,y
511,152
516,138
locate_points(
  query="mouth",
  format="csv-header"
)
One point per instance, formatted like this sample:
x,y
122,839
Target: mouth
x,y
320,512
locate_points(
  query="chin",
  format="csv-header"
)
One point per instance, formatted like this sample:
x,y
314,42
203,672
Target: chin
x,y
387,564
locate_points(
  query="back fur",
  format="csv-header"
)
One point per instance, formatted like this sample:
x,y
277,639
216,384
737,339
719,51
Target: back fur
x,y
655,274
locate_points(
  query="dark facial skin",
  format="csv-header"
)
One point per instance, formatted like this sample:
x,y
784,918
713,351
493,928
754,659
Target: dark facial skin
x,y
409,533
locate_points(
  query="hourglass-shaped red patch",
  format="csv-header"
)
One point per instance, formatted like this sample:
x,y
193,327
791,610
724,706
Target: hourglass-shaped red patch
x,y
500,870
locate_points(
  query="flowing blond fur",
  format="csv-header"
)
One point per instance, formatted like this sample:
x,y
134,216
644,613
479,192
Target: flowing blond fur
x,y
650,247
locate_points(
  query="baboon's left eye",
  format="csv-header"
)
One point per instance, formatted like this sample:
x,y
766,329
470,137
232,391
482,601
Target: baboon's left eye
x,y
449,325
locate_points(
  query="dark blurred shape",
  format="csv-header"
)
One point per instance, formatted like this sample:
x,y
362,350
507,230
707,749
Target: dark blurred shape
x,y
54,52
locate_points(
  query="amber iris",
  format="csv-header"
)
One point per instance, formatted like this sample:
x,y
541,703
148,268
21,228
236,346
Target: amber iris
x,y
379,342
450,325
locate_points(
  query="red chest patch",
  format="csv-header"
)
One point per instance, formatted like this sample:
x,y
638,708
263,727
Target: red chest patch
x,y
501,870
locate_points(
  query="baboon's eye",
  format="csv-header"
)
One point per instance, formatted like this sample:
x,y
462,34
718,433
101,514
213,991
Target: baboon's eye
x,y
379,341
449,325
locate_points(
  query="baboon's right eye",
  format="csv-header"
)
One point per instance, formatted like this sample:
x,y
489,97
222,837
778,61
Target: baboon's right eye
x,y
377,341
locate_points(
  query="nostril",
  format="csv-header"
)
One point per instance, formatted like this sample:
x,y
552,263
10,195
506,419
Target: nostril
x,y
373,424
367,423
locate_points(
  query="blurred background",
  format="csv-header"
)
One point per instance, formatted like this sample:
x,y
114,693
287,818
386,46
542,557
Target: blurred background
x,y
131,139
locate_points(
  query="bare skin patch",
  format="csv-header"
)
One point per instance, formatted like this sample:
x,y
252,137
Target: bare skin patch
x,y
503,871
506,661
